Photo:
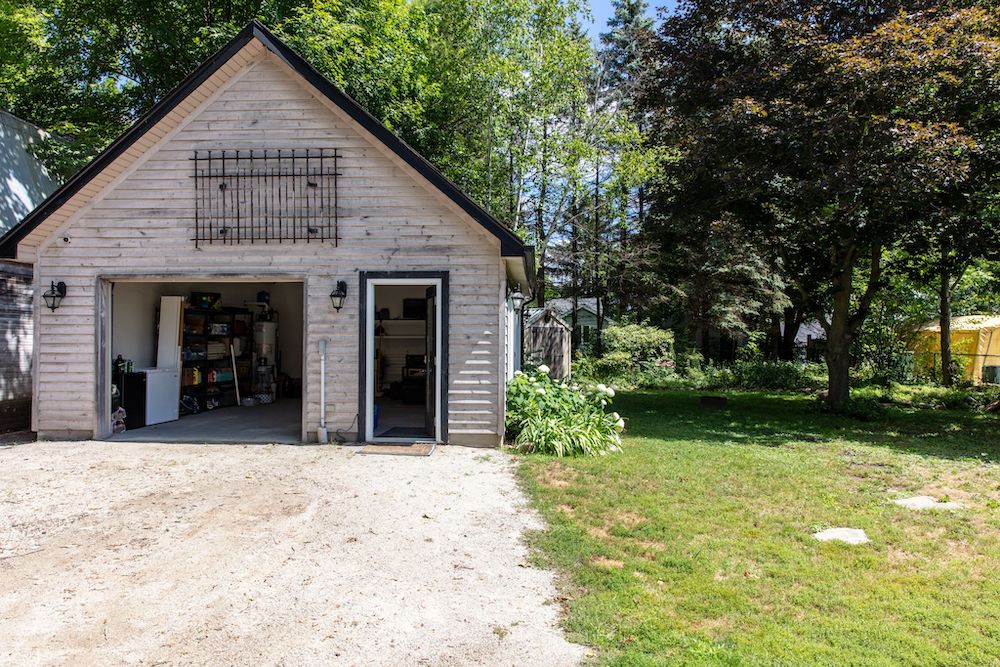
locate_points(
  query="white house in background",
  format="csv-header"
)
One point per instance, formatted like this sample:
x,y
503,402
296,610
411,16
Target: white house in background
x,y
586,316
298,260
24,183
810,340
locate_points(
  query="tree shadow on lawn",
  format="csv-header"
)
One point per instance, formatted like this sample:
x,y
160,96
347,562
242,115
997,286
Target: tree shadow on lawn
x,y
773,420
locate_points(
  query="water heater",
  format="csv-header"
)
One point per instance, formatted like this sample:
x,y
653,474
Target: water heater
x,y
265,337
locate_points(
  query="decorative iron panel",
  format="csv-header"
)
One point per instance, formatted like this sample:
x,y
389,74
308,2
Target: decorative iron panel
x,y
266,196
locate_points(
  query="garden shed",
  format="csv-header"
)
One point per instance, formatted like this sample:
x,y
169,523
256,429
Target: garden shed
x,y
549,342
259,259
975,345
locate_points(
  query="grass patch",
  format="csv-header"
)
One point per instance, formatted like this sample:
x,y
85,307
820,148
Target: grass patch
x,y
694,546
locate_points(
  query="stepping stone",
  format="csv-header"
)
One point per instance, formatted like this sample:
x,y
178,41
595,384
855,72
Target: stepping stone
x,y
846,535
926,503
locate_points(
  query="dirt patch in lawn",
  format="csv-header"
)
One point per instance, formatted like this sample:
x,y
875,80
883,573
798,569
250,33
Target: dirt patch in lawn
x,y
556,475
119,553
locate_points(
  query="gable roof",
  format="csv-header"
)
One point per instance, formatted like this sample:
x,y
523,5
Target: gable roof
x,y
563,306
510,244
545,315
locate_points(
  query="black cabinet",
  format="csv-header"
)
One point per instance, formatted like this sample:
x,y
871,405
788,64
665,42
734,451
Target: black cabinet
x,y
134,399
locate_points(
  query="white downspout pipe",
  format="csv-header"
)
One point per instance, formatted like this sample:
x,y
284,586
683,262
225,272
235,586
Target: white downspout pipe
x,y
321,433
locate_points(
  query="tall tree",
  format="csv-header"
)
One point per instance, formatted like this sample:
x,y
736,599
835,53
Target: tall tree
x,y
622,57
789,123
622,54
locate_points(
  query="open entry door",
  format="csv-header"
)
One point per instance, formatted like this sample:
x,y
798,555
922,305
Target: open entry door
x,y
404,356
430,342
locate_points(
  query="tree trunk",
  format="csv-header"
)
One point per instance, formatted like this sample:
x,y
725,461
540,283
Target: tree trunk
x,y
838,364
706,342
598,274
540,279
793,322
575,338
945,321
838,342
772,345
541,238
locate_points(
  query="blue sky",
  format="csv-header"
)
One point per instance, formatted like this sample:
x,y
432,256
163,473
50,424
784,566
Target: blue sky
x,y
601,9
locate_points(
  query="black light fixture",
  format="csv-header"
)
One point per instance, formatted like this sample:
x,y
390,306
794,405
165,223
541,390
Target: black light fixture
x,y
54,295
516,297
338,295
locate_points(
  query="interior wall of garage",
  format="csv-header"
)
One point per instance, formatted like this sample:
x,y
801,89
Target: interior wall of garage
x,y
134,317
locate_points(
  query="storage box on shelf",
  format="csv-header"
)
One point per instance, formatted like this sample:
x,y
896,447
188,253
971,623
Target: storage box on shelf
x,y
207,373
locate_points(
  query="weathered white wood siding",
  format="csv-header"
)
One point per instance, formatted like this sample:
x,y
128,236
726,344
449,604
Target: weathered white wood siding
x,y
389,221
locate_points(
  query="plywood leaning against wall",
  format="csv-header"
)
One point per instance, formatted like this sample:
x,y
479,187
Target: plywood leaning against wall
x,y
389,220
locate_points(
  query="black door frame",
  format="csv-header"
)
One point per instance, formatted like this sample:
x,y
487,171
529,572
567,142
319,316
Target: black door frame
x,y
363,353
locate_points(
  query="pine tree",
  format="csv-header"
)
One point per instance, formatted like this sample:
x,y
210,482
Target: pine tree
x,y
621,52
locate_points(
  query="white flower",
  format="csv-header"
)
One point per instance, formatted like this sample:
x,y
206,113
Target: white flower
x,y
603,403
540,390
543,369
602,388
620,425
609,391
616,415
516,373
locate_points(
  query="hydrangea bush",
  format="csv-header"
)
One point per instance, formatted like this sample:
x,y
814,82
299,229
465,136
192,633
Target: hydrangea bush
x,y
550,417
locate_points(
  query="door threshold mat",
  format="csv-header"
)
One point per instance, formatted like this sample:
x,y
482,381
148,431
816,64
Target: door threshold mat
x,y
416,449
417,433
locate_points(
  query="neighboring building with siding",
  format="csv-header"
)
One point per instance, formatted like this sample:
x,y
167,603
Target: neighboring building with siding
x,y
586,316
153,210
24,183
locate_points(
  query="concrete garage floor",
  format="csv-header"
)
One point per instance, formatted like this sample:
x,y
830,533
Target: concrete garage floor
x,y
143,554
279,422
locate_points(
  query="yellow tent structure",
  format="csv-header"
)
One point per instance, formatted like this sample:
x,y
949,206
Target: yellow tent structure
x,y
975,343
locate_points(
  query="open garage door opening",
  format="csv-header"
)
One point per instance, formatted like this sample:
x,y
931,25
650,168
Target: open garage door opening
x,y
206,362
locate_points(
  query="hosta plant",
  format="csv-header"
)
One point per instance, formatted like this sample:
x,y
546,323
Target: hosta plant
x,y
551,417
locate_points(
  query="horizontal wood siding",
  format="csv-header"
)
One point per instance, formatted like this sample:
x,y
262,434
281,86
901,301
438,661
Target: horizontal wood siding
x,y
388,221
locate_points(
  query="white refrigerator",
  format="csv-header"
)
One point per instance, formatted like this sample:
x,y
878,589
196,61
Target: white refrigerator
x,y
163,383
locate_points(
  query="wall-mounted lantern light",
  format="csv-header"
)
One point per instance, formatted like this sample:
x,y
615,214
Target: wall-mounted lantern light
x,y
54,295
338,295
516,297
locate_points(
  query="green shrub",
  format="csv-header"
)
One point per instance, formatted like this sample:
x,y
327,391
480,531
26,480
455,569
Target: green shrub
x,y
922,395
638,342
550,417
637,355
612,365
656,375
759,374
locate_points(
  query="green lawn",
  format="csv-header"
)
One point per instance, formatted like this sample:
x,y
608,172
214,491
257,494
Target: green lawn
x,y
694,546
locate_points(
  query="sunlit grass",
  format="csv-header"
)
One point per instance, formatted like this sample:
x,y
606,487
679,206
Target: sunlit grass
x,y
694,546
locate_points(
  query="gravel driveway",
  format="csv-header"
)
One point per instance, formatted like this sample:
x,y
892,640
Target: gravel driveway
x,y
147,554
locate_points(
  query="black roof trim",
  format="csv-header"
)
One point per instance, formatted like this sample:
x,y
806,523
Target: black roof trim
x,y
510,244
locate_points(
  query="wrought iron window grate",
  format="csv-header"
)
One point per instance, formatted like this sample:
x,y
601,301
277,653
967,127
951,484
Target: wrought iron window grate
x,y
266,196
